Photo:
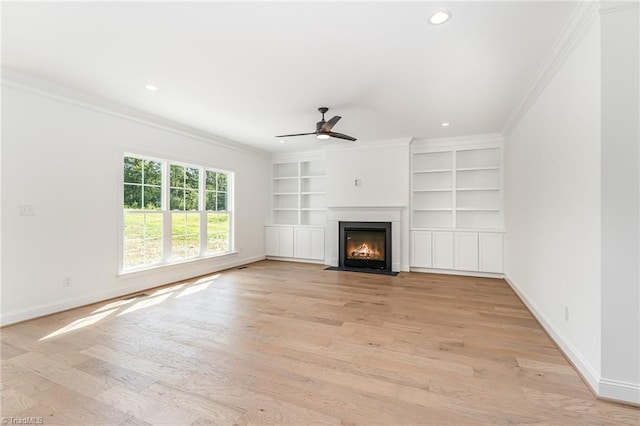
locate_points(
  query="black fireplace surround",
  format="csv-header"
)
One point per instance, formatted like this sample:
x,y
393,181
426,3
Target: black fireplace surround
x,y
365,245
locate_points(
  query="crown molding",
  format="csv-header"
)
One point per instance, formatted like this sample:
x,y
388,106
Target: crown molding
x,y
33,84
471,140
580,21
384,143
285,157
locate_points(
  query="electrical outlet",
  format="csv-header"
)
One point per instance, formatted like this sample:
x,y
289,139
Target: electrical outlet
x,y
66,281
566,313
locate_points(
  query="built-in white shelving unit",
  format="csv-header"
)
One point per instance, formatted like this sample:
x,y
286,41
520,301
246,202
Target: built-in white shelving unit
x,y
456,207
433,190
298,211
456,189
299,196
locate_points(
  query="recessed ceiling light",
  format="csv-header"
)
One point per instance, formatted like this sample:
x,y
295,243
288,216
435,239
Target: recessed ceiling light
x,y
151,87
439,17
445,124
281,141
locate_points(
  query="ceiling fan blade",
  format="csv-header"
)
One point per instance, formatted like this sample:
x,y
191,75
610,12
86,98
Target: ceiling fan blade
x,y
297,134
341,136
326,127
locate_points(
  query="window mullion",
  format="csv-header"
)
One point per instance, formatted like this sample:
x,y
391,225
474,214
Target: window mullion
x,y
202,205
166,214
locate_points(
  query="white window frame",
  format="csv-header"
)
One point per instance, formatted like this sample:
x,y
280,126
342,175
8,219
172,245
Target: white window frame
x,y
167,213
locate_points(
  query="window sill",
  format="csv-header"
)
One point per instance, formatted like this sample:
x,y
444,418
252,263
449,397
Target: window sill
x,y
165,266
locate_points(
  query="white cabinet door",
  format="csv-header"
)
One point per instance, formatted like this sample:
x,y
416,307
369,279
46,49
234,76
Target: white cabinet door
x,y
421,249
302,244
443,250
286,241
490,245
309,243
279,241
466,251
317,243
272,240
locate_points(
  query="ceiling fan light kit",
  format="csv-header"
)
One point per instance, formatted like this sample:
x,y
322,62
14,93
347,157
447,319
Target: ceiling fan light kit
x,y
323,128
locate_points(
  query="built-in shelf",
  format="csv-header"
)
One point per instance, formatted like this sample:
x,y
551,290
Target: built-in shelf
x,y
434,190
473,169
456,188
299,193
432,171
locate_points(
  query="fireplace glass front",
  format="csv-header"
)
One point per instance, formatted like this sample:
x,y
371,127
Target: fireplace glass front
x,y
365,245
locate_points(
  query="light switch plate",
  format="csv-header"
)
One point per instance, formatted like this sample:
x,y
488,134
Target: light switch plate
x,y
27,210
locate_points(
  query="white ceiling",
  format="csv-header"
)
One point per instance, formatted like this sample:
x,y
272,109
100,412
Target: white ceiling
x,y
249,71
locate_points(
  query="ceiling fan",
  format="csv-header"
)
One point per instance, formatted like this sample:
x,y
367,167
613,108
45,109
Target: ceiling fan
x,y
323,128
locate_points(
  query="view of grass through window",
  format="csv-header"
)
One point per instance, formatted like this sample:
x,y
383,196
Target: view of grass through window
x,y
173,212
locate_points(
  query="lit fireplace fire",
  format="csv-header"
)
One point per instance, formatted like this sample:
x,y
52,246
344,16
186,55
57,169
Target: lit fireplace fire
x,y
365,252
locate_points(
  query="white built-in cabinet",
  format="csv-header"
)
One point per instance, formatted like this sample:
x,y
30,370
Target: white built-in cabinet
x,y
421,249
279,241
308,243
456,207
466,251
490,252
442,250
298,210
457,251
294,242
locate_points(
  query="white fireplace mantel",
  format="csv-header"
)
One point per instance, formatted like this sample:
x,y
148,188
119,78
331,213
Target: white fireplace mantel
x,y
337,214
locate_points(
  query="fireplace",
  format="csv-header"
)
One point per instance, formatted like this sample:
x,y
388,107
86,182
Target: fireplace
x,y
365,245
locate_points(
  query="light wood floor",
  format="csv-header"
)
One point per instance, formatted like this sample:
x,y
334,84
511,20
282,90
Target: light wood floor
x,y
290,343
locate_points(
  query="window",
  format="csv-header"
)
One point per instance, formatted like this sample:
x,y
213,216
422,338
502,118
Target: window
x,y
173,212
185,218
142,212
217,214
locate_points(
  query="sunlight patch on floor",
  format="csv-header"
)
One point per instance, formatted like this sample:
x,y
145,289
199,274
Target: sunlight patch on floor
x,y
145,303
194,289
80,323
116,304
142,302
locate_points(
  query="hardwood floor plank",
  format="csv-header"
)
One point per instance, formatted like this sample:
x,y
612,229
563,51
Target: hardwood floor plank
x,y
292,343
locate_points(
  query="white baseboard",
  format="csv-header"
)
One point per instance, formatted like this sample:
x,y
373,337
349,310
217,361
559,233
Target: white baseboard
x,y
454,272
590,376
7,318
614,390
295,259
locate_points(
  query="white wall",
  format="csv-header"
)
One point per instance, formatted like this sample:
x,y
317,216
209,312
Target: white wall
x,y
64,159
383,171
620,204
552,206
